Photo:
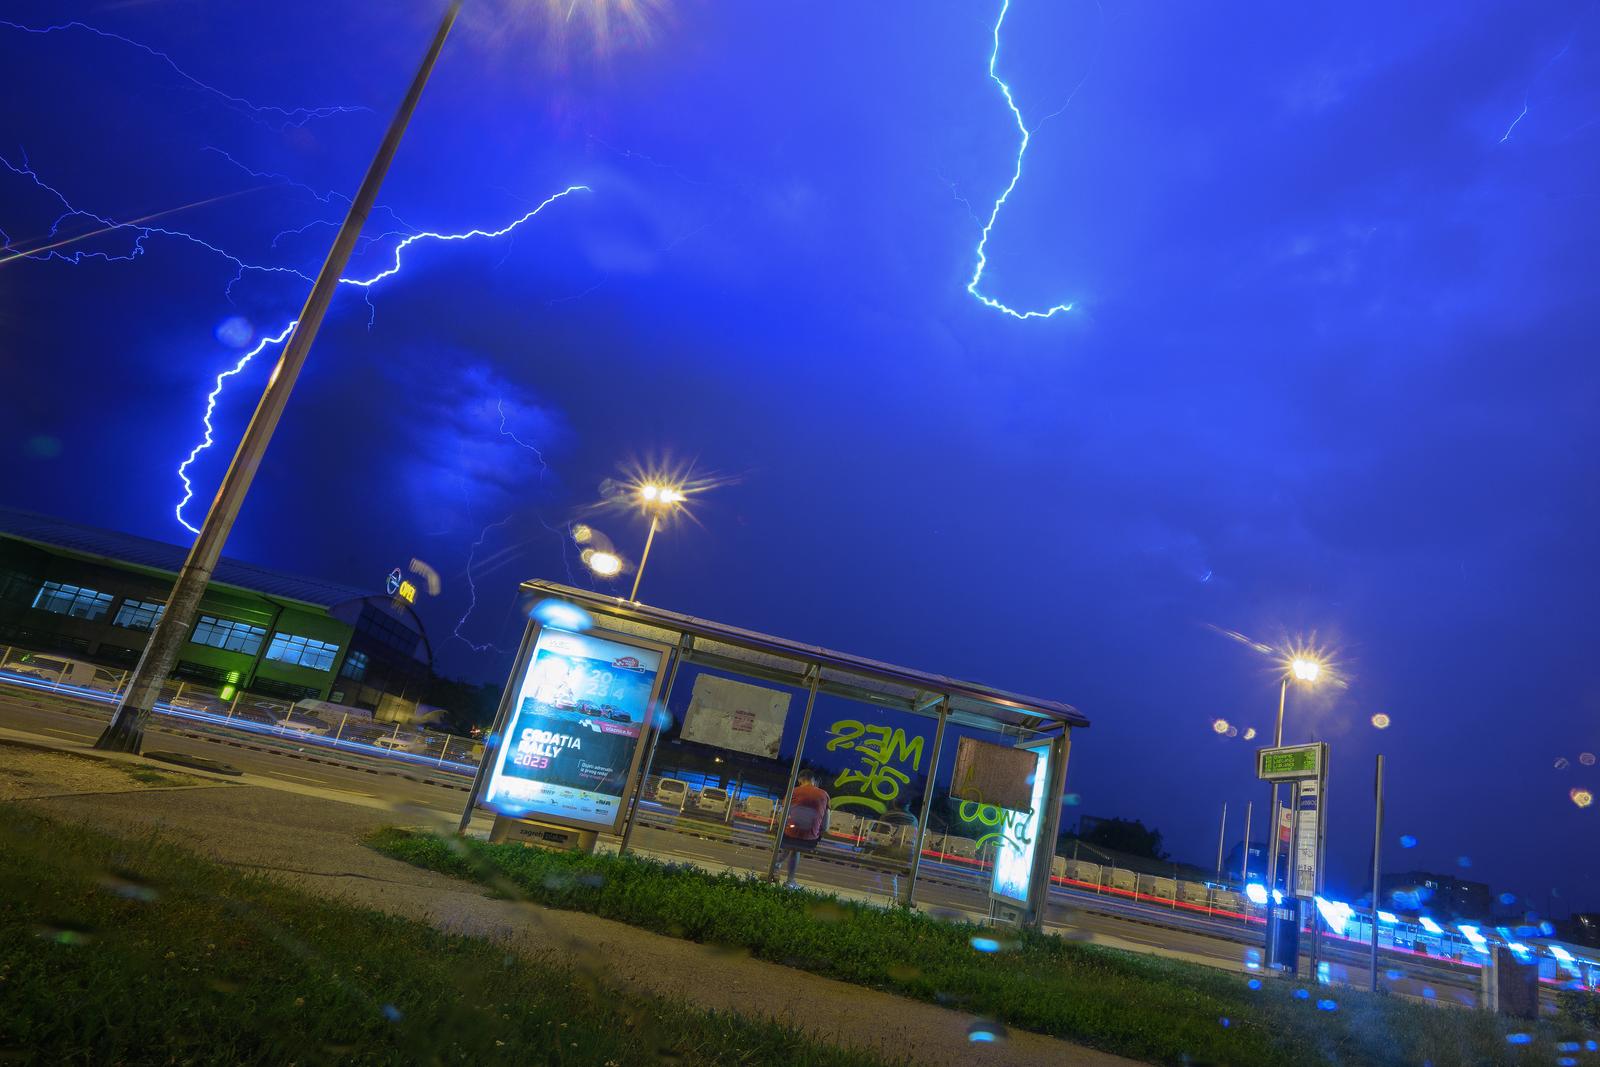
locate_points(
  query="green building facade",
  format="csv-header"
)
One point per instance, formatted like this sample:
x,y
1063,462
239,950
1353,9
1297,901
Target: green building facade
x,y
94,595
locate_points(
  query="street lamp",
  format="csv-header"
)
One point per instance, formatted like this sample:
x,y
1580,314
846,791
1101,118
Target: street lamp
x,y
657,499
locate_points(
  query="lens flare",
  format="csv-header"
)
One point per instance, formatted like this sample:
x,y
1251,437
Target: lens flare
x,y
1381,721
1581,797
1220,726
605,564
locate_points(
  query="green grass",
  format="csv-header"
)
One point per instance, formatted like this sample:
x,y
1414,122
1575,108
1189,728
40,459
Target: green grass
x,y
137,952
1140,1006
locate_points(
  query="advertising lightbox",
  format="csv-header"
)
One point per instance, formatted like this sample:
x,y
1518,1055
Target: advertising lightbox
x,y
571,741
1012,878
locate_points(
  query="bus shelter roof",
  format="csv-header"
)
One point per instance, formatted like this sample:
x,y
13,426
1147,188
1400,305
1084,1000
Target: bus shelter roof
x,y
778,659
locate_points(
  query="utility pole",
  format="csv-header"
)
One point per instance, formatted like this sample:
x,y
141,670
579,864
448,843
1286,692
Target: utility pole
x,y
126,730
1244,864
1222,833
1377,844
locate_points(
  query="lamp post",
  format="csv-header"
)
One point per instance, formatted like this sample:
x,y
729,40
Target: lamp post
x,y
657,500
125,733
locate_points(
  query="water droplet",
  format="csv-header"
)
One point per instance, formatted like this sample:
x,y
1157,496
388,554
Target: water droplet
x,y
985,944
235,331
1562,764
1407,841
1302,994
1224,1021
1254,983
391,1013
1327,1005
1586,758
986,1031
1463,861
1518,1039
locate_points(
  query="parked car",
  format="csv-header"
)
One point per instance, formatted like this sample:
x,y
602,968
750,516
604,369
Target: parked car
x,y
672,793
301,724
759,809
400,744
713,800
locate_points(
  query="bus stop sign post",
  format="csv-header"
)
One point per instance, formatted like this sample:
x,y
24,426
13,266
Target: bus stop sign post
x,y
1306,768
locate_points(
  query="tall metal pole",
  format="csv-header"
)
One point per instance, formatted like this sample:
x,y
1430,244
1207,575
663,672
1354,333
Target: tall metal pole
x,y
1244,864
1222,833
1377,843
126,730
639,574
1272,822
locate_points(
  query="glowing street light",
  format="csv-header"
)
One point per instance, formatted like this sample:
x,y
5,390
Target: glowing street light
x,y
656,499
1305,669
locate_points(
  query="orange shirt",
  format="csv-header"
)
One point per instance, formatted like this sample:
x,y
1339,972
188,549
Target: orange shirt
x,y
808,822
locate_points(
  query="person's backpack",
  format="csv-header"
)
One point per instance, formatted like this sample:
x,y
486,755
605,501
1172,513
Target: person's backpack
x,y
804,821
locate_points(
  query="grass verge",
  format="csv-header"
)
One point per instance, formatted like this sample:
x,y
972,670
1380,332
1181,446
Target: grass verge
x,y
137,952
1140,1006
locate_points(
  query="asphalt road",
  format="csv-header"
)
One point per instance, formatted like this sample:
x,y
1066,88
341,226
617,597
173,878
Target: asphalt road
x,y
1074,913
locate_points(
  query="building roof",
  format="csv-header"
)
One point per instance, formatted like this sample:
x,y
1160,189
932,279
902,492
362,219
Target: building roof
x,y
111,546
782,659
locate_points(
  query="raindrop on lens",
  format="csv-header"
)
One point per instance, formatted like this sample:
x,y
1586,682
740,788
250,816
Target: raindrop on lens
x,y
235,331
986,1031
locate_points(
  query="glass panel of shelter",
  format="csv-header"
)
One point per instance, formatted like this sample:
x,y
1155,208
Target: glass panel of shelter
x,y
958,848
717,805
873,761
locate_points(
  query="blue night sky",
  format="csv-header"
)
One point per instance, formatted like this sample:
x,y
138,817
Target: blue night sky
x,y
1330,365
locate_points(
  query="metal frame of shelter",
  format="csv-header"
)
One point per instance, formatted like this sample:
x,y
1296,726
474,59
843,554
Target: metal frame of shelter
x,y
706,643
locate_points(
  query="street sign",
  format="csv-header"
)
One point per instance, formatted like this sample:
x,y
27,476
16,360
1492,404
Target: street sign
x,y
1291,763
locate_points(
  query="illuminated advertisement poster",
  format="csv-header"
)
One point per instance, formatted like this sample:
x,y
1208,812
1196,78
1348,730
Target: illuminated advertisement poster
x,y
572,734
1013,855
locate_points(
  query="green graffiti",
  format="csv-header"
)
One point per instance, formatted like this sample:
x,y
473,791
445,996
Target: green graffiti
x,y
875,784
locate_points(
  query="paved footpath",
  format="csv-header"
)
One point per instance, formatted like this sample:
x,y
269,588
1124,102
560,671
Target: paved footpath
x,y
310,839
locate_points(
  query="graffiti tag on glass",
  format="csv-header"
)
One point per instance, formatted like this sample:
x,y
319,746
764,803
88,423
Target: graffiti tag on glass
x,y
876,784
1012,824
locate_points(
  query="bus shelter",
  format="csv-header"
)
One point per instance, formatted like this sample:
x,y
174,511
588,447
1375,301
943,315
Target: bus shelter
x,y
685,737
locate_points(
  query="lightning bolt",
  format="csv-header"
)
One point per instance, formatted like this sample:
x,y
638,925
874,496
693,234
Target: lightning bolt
x,y
143,233
265,114
472,592
1527,96
360,283
1016,176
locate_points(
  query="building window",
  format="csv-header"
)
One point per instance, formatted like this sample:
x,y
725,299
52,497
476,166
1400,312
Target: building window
x,y
355,666
305,651
229,635
138,614
73,601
